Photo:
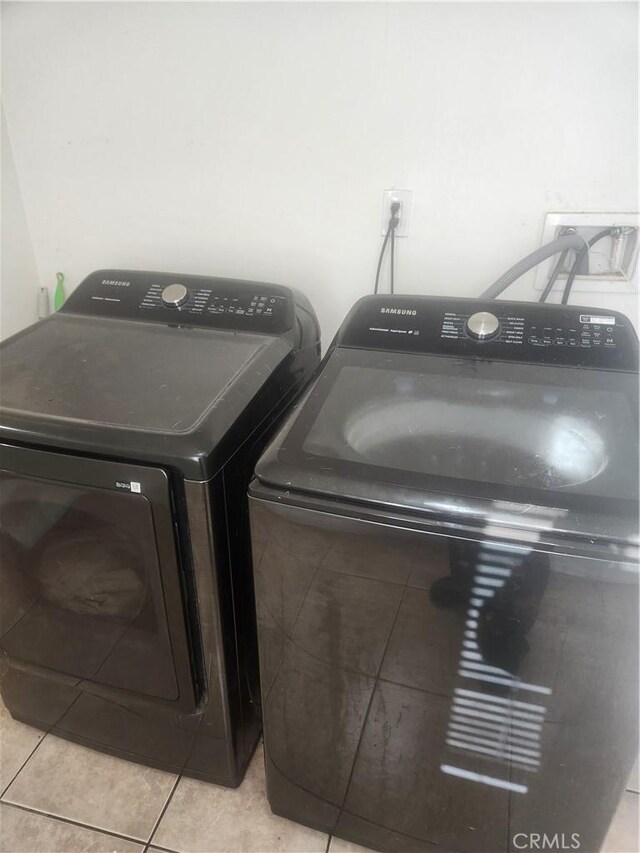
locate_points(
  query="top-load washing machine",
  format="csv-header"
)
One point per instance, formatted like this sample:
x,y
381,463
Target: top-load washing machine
x,y
445,552
129,427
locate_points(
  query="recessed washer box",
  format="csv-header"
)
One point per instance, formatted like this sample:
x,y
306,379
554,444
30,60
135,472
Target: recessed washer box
x,y
612,269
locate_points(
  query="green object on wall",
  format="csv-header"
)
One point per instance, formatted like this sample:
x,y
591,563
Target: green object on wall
x,y
59,297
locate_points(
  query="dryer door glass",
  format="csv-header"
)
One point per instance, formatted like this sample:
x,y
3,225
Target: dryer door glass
x,y
81,587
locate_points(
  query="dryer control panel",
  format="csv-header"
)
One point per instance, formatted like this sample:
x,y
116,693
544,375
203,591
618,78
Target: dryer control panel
x,y
510,331
184,300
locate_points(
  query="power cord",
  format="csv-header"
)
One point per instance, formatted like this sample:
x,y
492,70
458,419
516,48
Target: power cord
x,y
393,257
394,219
558,267
614,230
553,277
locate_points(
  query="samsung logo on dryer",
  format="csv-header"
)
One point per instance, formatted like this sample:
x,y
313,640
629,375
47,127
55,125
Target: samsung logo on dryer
x,y
410,312
116,283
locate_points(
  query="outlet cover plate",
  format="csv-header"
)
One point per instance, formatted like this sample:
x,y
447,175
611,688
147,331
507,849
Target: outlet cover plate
x,y
592,283
404,197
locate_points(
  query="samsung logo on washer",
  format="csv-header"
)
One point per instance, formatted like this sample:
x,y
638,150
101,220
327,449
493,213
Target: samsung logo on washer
x,y
116,283
411,312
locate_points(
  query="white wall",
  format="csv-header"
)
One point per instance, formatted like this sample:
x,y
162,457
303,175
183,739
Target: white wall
x,y
18,270
256,140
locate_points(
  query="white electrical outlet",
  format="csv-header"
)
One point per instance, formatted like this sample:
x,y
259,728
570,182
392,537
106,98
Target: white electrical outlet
x,y
613,262
404,198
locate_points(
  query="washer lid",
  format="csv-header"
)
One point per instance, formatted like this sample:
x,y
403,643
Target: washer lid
x,y
550,446
167,394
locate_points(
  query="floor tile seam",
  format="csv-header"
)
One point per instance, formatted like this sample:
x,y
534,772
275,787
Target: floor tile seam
x,y
21,768
163,810
112,834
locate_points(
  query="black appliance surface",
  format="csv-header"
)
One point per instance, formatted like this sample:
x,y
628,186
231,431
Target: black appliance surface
x,y
129,427
118,372
445,538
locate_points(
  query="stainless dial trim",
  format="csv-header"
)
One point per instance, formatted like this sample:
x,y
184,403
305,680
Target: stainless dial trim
x,y
175,295
483,325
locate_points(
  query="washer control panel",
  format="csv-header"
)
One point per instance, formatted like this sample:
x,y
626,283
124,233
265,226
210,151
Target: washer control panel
x,y
587,330
581,330
511,331
184,300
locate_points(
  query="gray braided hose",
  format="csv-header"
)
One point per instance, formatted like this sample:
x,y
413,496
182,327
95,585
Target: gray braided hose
x,y
560,244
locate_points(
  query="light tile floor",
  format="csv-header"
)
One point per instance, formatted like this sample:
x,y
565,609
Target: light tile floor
x,y
58,797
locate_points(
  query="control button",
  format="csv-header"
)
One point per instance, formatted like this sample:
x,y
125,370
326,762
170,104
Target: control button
x,y
483,326
175,295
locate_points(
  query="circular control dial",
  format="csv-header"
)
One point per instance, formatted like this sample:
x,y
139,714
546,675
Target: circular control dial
x,y
483,326
175,295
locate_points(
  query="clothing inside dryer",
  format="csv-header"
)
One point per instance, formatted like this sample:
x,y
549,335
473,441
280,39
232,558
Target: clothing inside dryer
x,y
81,589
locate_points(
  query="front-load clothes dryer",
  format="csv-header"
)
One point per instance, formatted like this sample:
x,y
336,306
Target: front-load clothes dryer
x,y
445,552
130,424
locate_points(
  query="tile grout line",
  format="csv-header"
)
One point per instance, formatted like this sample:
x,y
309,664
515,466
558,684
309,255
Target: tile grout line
x,y
140,841
71,822
46,733
149,848
22,766
163,810
146,845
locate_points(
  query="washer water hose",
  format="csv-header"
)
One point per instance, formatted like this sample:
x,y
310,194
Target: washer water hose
x,y
579,257
554,276
560,244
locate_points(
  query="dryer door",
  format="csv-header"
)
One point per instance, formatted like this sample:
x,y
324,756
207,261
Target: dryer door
x,y
90,576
